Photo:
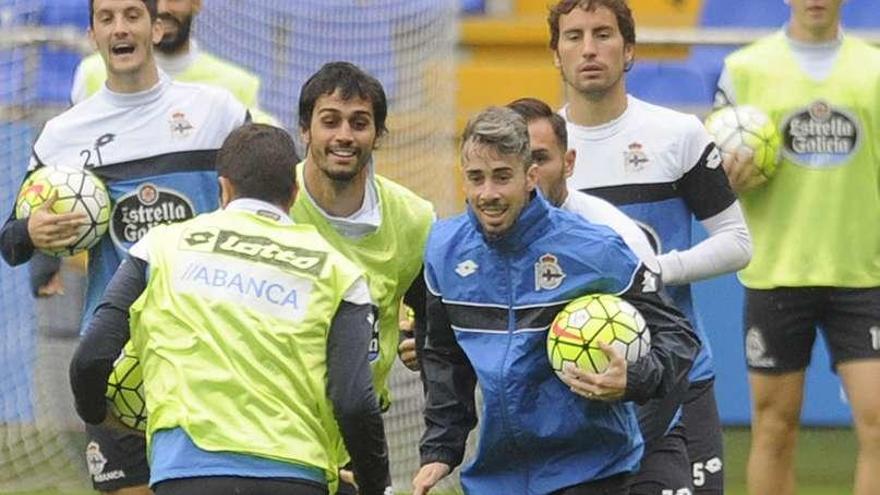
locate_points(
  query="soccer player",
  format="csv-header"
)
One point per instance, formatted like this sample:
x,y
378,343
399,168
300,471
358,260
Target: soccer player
x,y
373,221
179,56
817,245
497,276
153,143
662,169
246,325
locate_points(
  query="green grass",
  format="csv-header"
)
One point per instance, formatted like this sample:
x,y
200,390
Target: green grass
x,y
825,462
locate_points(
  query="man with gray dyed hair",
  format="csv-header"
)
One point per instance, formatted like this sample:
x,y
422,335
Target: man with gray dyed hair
x,y
496,278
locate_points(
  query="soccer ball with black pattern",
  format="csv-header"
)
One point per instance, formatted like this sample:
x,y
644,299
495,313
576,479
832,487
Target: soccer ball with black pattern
x,y
745,126
125,390
78,191
578,329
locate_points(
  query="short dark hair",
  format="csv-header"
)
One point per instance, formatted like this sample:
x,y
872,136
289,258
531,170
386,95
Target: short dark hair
x,y
621,10
152,9
260,161
350,80
533,109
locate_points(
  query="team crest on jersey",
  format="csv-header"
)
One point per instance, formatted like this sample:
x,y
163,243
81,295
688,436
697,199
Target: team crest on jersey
x,y
756,349
142,209
634,159
95,459
820,136
180,126
548,273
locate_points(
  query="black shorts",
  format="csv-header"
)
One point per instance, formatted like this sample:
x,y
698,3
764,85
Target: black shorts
x,y
780,326
612,485
705,443
665,467
116,459
235,485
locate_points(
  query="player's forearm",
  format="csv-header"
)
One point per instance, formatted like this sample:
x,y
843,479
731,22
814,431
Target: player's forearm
x,y
727,248
104,339
449,381
15,242
350,388
674,345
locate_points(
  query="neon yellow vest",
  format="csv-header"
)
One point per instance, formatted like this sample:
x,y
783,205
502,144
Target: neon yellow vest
x,y
817,221
231,331
206,69
391,257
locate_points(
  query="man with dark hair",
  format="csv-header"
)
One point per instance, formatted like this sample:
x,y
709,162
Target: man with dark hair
x,y
179,55
373,221
817,242
663,170
245,374
153,143
496,278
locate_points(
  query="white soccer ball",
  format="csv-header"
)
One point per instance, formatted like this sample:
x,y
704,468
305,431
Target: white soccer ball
x,y
746,127
78,191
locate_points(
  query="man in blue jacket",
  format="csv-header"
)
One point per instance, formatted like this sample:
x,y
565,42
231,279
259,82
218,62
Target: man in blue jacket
x,y
496,277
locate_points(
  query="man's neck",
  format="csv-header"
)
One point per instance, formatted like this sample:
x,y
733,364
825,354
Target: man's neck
x,y
590,110
337,198
803,35
141,80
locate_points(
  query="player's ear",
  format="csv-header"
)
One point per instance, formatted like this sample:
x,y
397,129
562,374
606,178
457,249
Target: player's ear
x,y
157,30
306,137
556,60
227,191
568,160
531,177
93,43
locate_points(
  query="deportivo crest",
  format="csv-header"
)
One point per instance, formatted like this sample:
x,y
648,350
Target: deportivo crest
x,y
548,273
756,350
634,159
466,268
95,459
180,126
820,135
142,209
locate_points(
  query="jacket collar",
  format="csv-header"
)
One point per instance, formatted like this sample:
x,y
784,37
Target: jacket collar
x,y
529,226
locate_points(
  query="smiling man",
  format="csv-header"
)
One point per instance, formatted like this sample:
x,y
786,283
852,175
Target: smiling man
x,y
490,303
373,221
142,134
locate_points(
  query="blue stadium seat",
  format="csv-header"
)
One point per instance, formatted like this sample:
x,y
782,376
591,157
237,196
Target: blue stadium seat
x,y
65,13
748,13
57,66
861,14
472,6
668,83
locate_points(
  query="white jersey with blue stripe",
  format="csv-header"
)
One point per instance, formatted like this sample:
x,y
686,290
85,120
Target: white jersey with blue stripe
x,y
662,169
155,152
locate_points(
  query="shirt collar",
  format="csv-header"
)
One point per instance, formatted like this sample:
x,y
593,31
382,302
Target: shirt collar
x,y
260,208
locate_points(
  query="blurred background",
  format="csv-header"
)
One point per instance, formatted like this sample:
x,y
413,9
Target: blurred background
x,y
440,62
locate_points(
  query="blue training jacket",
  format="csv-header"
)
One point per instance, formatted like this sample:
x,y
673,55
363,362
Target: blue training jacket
x,y
490,303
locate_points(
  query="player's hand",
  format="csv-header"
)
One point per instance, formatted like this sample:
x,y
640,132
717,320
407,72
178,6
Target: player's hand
x,y
407,352
54,287
49,230
608,386
741,171
347,476
428,476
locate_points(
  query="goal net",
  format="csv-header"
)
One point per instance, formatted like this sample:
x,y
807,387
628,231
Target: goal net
x,y
407,44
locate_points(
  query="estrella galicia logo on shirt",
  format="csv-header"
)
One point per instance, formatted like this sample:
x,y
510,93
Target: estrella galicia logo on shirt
x,y
820,135
142,209
252,248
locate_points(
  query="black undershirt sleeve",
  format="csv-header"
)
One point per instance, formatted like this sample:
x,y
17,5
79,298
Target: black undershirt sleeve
x,y
104,339
350,388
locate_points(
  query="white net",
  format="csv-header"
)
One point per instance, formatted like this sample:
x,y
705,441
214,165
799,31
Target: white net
x,y
407,44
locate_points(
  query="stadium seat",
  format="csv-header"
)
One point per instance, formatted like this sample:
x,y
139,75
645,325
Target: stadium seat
x,y
65,13
472,6
57,66
751,14
861,14
668,83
